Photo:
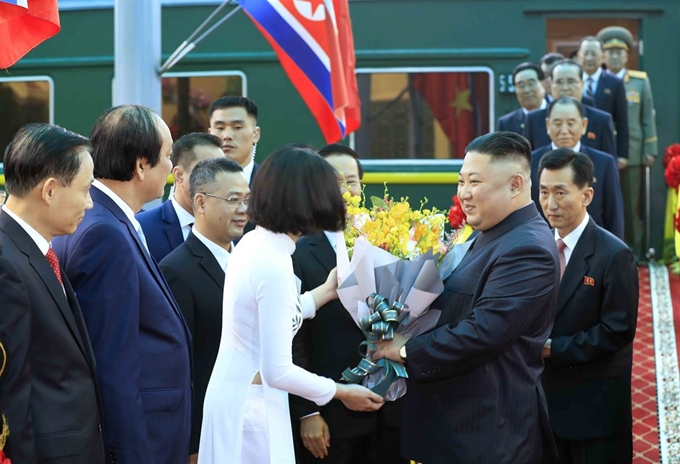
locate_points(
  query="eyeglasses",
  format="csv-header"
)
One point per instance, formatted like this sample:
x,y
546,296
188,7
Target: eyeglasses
x,y
569,82
232,202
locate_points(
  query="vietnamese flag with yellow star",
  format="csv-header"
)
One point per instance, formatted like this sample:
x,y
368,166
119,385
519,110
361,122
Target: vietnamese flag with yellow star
x,y
455,100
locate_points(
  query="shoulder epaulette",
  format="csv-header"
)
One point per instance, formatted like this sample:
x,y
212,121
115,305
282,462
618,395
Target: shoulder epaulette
x,y
637,74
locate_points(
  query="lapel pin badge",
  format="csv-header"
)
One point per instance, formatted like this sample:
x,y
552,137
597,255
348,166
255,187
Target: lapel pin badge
x,y
589,281
608,91
591,135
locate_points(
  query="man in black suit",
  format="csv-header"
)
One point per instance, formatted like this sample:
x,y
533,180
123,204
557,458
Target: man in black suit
x,y
608,91
547,63
589,353
566,124
195,269
474,388
527,78
49,391
327,345
567,82
167,226
234,120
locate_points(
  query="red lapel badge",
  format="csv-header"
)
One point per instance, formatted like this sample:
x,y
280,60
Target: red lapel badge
x,y
591,135
589,281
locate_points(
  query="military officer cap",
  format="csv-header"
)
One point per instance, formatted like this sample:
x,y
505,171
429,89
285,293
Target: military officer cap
x,y
616,37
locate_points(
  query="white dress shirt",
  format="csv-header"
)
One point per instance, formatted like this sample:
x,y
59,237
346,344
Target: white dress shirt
x,y
125,208
544,105
576,148
248,171
595,77
186,220
220,254
572,238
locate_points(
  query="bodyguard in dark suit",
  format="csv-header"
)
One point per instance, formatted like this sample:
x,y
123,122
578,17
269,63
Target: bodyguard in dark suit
x,y
474,388
195,269
327,345
608,91
589,353
566,82
547,63
48,391
234,120
167,226
565,125
140,340
527,78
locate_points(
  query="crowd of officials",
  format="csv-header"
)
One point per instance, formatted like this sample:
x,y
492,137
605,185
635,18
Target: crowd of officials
x,y
112,318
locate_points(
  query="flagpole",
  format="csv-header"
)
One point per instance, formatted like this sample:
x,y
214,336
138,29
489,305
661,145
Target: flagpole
x,y
187,46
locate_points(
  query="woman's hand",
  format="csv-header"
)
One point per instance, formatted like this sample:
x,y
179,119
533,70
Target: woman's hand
x,y
327,291
358,398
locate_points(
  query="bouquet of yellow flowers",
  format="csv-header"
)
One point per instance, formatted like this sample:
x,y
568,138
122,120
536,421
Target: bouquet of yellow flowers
x,y
388,278
395,227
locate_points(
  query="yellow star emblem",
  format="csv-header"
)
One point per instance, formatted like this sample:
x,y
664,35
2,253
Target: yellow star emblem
x,y
462,101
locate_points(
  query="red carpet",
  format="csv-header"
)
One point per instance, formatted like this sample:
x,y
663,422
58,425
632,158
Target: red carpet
x,y
645,423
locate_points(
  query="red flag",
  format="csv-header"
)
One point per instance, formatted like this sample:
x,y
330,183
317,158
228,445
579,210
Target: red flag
x,y
346,41
23,25
455,105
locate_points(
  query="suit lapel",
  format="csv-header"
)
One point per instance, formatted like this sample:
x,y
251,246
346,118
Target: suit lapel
x,y
256,167
108,203
43,269
173,230
578,265
323,251
206,259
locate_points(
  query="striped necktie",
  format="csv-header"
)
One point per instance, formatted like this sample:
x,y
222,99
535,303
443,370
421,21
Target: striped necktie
x,y
589,87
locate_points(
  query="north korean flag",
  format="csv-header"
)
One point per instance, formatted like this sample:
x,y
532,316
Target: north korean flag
x,y
313,41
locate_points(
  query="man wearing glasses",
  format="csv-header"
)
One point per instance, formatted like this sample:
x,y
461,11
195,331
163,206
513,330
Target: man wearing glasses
x,y
195,269
167,226
567,81
527,78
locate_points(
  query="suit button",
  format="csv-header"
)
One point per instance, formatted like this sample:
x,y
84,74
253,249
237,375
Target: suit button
x,y
192,385
100,428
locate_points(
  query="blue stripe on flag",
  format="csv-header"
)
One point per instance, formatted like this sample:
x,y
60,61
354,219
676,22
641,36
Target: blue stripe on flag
x,y
294,45
23,3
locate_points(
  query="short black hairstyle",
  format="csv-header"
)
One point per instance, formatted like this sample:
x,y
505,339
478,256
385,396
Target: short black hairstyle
x,y
39,151
568,63
233,101
340,149
296,191
203,176
121,136
503,145
582,168
551,58
590,38
527,65
183,148
565,101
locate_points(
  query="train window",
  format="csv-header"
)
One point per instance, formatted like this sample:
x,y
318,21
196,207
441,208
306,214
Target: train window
x,y
423,113
187,98
23,100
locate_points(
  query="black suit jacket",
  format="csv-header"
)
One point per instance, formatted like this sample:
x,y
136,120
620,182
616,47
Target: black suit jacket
x,y
513,121
328,344
587,377
474,389
49,391
607,205
197,283
610,96
599,133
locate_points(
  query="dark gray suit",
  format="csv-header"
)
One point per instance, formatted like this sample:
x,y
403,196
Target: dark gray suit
x,y
474,389
49,390
197,283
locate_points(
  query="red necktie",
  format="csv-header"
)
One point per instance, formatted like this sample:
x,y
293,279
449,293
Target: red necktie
x,y
563,259
54,263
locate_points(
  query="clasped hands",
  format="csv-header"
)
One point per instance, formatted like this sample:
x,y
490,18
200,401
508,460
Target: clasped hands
x,y
390,349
